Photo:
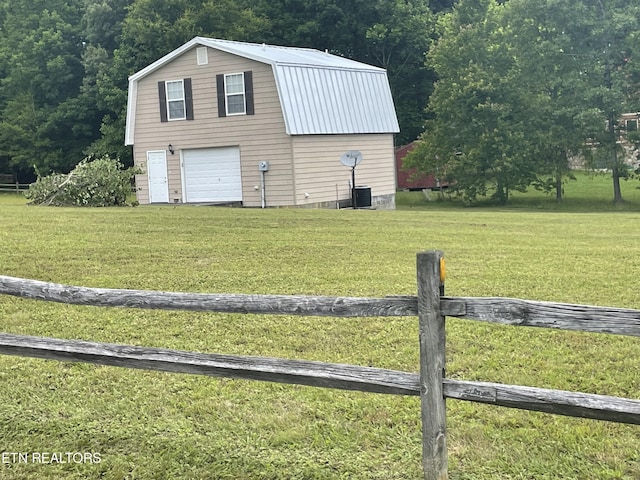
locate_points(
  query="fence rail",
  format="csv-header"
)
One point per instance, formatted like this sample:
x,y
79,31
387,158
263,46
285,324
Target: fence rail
x,y
14,187
506,311
430,306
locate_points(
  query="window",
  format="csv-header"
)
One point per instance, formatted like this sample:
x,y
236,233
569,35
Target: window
x,y
176,102
235,94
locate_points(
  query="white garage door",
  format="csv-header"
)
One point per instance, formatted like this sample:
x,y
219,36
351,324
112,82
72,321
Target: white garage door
x,y
212,175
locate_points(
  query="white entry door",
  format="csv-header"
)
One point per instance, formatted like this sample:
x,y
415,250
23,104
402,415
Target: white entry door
x,y
212,175
157,174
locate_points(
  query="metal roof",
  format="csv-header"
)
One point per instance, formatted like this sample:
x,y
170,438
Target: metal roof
x,y
273,54
332,101
320,93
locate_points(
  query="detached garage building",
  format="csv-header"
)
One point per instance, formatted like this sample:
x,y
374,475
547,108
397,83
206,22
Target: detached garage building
x,y
217,121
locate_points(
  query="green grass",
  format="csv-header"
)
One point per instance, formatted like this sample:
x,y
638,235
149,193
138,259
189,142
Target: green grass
x,y
587,193
149,425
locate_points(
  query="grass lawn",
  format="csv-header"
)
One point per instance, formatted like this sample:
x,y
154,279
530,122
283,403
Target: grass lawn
x,y
587,193
148,425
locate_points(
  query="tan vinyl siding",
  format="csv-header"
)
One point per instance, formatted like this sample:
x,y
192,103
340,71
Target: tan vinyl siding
x,y
319,173
142,181
260,137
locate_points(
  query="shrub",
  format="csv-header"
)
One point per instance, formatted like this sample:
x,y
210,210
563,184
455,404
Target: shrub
x,y
99,182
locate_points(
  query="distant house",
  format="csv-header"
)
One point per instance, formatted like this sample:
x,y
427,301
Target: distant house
x,y
410,178
217,121
629,123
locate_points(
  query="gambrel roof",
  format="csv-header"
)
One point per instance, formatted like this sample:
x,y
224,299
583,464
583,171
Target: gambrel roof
x,y
320,93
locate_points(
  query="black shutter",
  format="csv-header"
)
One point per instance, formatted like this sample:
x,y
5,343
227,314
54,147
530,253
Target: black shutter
x,y
248,91
222,107
162,97
188,98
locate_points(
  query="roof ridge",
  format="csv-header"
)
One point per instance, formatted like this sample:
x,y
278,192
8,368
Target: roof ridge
x,y
263,44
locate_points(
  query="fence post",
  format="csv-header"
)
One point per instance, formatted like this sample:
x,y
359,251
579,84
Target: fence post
x,y
430,271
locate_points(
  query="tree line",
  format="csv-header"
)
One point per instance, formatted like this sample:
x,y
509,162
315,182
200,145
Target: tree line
x,y
501,93
64,64
525,87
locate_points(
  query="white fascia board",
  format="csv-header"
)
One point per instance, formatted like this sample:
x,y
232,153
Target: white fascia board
x,y
132,98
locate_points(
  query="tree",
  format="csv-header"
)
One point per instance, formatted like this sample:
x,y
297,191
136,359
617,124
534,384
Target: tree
x,y
102,22
612,62
52,54
42,72
398,42
478,133
526,84
546,54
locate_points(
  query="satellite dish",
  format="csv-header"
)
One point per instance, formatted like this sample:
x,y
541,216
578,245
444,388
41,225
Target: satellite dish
x,y
351,158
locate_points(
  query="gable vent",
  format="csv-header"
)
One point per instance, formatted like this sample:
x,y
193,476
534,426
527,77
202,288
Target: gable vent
x,y
202,55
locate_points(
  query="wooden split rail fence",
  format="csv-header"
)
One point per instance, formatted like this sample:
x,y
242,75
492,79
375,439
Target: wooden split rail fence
x,y
430,306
